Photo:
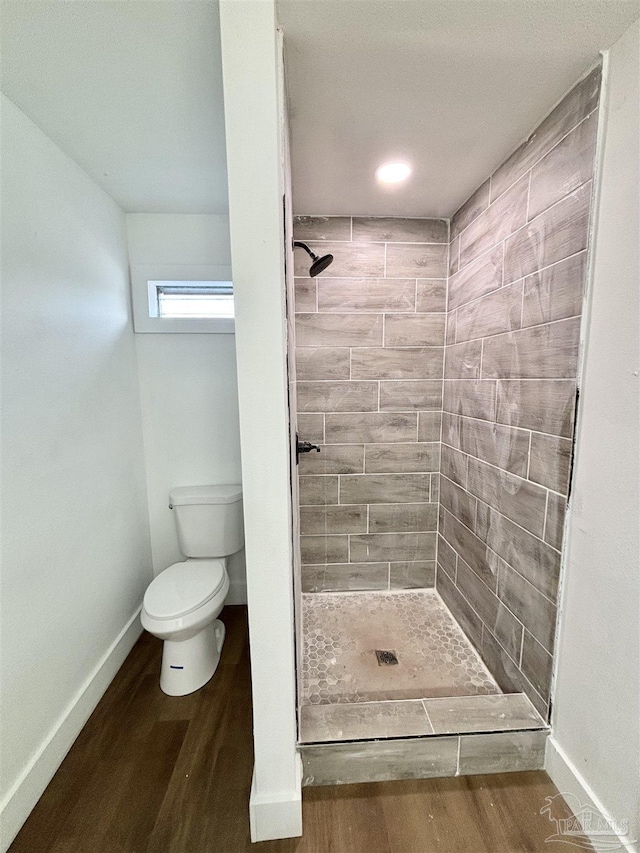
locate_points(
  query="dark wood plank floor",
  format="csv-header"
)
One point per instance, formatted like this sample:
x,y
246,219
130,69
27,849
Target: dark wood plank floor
x,y
151,773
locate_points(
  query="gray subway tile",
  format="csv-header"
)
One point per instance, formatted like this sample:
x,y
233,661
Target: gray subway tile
x,y
508,631
550,461
458,502
310,427
555,292
429,424
376,547
447,557
388,363
450,334
312,578
502,667
492,314
324,549
431,295
454,465
349,259
471,550
541,352
363,721
565,168
402,518
477,278
471,209
412,575
462,361
514,497
531,557
454,255
398,458
502,218
471,398
559,232
322,228
499,445
416,260
370,427
384,488
365,295
462,611
533,609
484,600
318,490
578,104
537,664
317,520
332,459
342,396
414,330
435,488
379,761
323,363
412,395
305,294
541,405
345,577
338,330
396,229
554,529
501,752
482,713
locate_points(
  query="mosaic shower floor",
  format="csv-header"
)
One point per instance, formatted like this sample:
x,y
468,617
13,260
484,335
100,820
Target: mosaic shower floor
x,y
342,632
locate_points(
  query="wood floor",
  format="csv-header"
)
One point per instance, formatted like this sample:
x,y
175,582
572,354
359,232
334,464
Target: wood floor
x,y
156,774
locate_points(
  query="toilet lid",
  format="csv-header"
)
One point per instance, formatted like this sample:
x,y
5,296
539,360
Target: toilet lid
x,y
183,587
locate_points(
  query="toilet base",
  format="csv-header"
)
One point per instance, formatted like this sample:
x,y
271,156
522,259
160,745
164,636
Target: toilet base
x,y
187,665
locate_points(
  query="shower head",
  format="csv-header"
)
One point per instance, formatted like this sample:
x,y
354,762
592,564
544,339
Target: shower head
x,y
320,262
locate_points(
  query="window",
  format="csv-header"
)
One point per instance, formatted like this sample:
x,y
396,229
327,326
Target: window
x,y
190,299
183,298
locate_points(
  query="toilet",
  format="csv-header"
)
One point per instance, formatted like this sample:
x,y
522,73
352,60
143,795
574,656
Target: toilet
x,y
181,604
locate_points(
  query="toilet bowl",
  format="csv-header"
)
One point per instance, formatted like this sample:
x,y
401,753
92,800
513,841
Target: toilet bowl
x,y
182,603
180,607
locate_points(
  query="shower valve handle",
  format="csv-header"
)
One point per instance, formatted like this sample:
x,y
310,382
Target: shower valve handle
x,y
304,447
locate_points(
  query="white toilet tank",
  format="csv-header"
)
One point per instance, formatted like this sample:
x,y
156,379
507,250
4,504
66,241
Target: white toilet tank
x,y
209,519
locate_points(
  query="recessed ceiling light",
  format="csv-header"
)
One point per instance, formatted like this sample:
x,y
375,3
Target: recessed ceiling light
x,y
393,173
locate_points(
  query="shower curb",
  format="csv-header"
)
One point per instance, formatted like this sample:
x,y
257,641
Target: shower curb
x,y
425,757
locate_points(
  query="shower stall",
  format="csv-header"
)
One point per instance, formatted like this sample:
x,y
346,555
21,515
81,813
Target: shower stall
x,y
437,367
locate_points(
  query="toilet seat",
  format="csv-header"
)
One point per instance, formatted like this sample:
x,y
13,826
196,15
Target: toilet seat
x,y
183,588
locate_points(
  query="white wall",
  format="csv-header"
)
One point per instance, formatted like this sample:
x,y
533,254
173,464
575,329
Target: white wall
x,y
188,386
595,747
254,127
76,556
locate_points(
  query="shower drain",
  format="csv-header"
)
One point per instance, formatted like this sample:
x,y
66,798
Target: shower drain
x,y
386,657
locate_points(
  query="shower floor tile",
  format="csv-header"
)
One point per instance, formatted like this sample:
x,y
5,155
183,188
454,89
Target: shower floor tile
x,y
342,632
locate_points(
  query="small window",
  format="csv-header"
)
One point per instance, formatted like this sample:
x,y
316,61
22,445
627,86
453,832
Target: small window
x,y
183,298
191,299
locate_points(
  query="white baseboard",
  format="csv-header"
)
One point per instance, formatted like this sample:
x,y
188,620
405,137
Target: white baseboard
x,y
568,780
276,816
29,787
237,593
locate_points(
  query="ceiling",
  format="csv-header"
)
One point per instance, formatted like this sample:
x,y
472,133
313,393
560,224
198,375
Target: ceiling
x,y
131,90
452,86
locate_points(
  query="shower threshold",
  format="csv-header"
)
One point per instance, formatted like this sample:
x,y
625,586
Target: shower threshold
x,y
439,685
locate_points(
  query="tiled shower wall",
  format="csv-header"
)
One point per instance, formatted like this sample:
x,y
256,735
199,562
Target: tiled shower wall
x,y
515,291
369,361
